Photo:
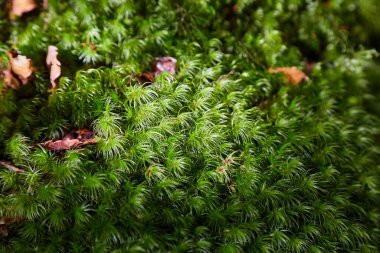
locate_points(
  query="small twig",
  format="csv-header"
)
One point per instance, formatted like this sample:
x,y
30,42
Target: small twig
x,y
11,167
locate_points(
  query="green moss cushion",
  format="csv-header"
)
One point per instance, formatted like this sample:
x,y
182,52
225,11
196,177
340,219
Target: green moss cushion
x,y
222,156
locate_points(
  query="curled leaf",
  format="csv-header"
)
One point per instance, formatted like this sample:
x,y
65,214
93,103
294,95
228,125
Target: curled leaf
x,y
54,65
11,167
19,7
165,64
74,139
21,66
293,74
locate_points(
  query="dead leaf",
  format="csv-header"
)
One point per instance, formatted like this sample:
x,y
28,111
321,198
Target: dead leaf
x,y
232,12
84,134
3,230
5,221
70,140
21,66
145,78
3,227
89,44
10,80
61,144
232,188
11,167
264,104
293,74
162,64
309,66
19,7
167,64
54,64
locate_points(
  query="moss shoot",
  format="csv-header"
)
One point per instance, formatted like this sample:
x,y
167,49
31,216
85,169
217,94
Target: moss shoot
x,y
221,156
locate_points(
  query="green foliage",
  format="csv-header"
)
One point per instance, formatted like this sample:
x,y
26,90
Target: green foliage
x,y
193,162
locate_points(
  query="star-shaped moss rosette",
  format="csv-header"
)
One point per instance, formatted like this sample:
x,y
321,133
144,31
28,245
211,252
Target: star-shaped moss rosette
x,y
165,131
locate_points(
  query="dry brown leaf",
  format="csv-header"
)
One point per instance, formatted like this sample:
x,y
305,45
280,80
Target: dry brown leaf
x,y
21,66
61,144
89,44
54,65
10,80
309,66
84,134
293,74
3,230
3,227
70,140
145,78
165,64
11,167
19,7
45,4
162,64
5,221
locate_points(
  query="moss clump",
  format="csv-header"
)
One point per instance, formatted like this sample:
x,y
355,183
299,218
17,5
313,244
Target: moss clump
x,y
223,156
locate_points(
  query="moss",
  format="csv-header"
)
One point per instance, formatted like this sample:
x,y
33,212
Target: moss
x,y
221,157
